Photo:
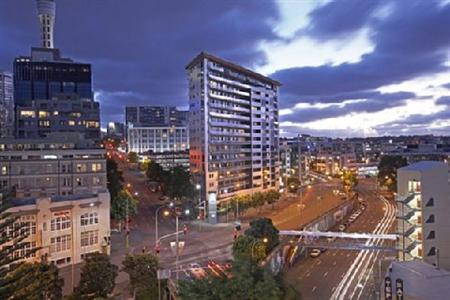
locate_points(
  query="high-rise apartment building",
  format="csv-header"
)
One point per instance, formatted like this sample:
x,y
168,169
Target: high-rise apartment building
x,y
233,128
6,105
423,212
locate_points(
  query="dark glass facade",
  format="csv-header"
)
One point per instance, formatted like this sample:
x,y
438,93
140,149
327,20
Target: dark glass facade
x,y
35,80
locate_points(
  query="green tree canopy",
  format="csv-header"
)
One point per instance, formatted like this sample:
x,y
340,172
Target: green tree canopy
x,y
114,177
177,183
142,269
249,247
121,204
349,180
249,282
154,172
387,170
133,157
263,228
38,281
98,276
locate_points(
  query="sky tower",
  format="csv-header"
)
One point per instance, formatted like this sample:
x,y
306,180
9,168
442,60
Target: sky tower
x,y
46,12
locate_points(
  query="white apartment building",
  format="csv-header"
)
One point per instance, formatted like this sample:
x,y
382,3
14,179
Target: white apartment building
x,y
157,139
57,165
424,212
65,228
233,128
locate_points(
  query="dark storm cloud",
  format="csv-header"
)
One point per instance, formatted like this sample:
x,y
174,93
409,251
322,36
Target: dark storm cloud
x,y
142,46
411,41
444,100
377,102
332,20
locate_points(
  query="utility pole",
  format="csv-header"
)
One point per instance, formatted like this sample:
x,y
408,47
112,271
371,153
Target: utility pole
x,y
178,244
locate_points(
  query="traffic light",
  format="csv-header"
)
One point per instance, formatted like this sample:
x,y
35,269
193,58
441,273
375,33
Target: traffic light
x,y
185,229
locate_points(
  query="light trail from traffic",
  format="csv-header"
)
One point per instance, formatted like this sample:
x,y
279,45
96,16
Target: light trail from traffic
x,y
364,258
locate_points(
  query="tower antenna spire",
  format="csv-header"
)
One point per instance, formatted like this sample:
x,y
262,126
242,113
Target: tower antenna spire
x,y
46,13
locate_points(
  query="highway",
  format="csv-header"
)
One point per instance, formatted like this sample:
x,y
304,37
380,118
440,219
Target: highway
x,y
348,274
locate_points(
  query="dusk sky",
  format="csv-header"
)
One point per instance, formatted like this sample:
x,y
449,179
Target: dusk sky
x,y
348,67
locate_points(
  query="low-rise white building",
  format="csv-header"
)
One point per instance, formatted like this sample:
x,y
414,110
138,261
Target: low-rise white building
x,y
157,139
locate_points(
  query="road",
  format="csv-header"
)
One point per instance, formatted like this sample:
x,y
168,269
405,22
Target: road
x,y
347,274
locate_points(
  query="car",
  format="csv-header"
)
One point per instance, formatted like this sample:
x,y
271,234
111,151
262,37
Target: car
x,y
323,249
342,227
196,270
315,253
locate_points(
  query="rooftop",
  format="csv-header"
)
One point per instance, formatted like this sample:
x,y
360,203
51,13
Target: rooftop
x,y
423,166
233,66
421,280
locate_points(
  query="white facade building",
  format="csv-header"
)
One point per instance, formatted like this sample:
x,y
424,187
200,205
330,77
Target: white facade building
x,y
65,228
233,128
424,212
157,139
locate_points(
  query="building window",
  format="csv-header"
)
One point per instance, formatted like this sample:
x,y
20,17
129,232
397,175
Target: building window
x,y
432,251
60,223
81,168
430,219
89,219
96,180
431,235
60,243
4,170
79,182
25,250
96,167
430,202
89,238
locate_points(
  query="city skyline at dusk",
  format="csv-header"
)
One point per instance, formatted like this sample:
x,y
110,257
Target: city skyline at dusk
x,y
347,68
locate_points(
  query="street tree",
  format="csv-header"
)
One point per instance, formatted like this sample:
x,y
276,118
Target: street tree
x,y
263,228
39,280
177,183
114,178
249,282
249,247
123,205
133,157
349,180
142,269
272,197
98,276
387,170
154,172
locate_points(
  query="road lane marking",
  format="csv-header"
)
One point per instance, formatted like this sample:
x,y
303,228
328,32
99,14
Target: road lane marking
x,y
313,289
308,274
325,274
334,263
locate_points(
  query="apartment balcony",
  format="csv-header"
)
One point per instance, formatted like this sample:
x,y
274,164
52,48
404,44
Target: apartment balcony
x,y
228,90
229,81
230,108
228,98
225,133
230,125
229,116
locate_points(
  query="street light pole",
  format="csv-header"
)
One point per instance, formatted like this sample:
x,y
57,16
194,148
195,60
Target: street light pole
x,y
178,246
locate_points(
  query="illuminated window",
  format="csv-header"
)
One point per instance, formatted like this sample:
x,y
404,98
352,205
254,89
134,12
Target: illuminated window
x,y
4,170
71,123
55,113
96,167
27,113
43,114
92,124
